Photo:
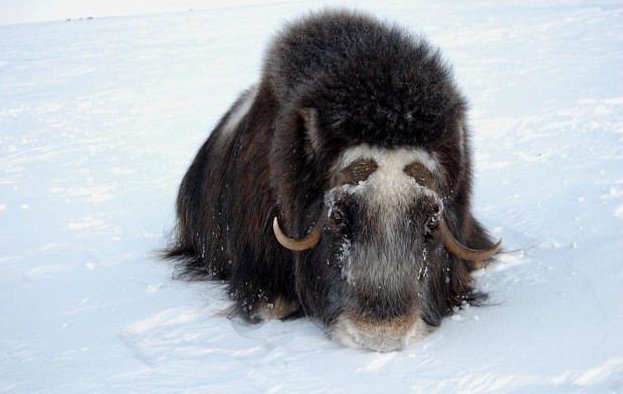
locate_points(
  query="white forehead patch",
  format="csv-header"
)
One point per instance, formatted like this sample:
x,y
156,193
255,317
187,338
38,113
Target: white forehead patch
x,y
389,185
399,157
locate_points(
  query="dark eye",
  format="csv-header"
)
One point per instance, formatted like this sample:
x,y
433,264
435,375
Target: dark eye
x,y
433,219
336,216
337,220
432,223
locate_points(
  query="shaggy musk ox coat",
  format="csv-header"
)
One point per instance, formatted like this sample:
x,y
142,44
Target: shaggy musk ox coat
x,y
339,187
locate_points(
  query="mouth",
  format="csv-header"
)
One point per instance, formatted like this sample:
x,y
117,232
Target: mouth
x,y
359,332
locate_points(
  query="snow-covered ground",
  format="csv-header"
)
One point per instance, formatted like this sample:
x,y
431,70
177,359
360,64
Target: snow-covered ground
x,y
100,118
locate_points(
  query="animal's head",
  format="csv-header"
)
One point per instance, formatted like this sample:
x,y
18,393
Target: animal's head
x,y
371,263
371,167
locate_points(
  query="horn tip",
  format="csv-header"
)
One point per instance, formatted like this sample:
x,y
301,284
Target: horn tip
x,y
498,246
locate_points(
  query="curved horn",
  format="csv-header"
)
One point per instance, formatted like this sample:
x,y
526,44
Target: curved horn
x,y
462,251
308,242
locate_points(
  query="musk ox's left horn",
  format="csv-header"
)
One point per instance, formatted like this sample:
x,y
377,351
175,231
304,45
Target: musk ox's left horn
x,y
462,251
308,242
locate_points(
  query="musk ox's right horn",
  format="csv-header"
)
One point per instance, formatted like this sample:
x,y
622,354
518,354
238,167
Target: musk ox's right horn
x,y
298,245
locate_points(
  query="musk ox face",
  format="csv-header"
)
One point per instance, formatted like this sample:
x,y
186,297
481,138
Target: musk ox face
x,y
380,222
339,187
380,241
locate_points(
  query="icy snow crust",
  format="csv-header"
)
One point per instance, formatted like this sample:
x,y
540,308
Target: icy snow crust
x,y
100,118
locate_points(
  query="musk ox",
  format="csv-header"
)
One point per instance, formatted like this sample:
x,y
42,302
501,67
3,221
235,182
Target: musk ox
x,y
339,187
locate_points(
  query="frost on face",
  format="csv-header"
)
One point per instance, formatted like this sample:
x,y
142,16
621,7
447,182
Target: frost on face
x,y
343,257
344,261
423,273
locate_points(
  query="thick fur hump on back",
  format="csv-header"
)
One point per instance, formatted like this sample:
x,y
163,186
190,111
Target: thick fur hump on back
x,y
370,81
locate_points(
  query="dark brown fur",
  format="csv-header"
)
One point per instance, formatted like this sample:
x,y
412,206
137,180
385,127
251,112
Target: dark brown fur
x,y
331,81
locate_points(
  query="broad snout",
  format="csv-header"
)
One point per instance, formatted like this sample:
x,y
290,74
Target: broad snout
x,y
382,335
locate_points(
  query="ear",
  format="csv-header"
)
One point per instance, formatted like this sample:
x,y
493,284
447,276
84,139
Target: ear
x,y
310,123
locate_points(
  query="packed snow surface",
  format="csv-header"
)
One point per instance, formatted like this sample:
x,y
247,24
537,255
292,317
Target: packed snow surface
x,y
99,119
